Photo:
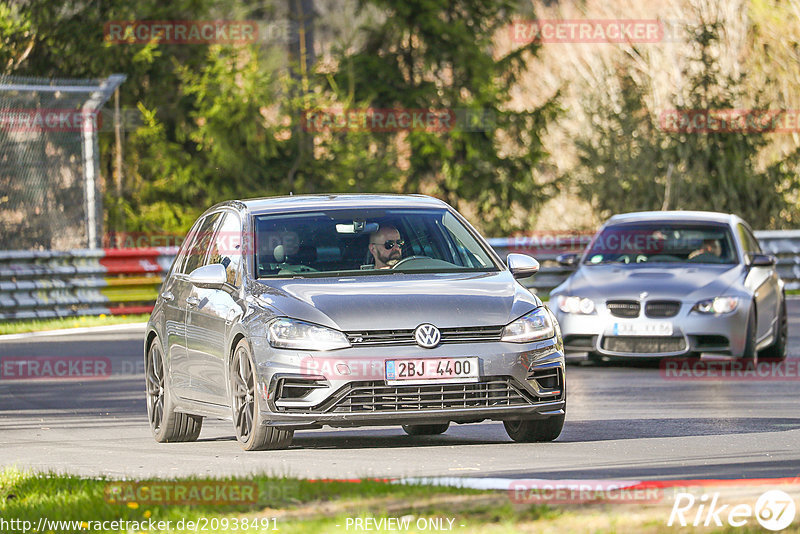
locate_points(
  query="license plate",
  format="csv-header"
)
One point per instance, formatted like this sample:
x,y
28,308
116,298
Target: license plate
x,y
643,328
432,371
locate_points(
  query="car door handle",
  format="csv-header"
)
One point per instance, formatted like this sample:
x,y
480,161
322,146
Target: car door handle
x,y
167,296
192,301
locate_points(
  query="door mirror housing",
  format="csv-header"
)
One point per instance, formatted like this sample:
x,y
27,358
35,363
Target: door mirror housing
x,y
521,265
209,276
762,260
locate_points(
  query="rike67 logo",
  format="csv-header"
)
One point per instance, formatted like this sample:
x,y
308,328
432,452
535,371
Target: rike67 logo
x,y
774,510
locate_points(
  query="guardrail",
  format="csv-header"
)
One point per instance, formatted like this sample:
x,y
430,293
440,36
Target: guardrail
x,y
48,284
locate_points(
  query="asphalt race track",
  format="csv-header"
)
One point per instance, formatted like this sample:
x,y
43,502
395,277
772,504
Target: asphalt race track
x,y
623,422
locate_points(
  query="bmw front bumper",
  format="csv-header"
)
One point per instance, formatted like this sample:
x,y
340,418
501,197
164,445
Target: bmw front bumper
x,y
691,332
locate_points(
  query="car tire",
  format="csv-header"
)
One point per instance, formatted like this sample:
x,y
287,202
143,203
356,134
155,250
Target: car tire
x,y
535,430
750,355
426,430
778,350
248,420
167,425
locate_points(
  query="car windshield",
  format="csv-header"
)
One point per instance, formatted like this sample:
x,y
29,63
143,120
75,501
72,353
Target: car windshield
x,y
330,243
662,243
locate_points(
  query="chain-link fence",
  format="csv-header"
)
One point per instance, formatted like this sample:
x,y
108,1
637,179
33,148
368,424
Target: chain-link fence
x,y
49,162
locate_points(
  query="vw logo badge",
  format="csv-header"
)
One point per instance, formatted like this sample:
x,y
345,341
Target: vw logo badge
x,y
427,336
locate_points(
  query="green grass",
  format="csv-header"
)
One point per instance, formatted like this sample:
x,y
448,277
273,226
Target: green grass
x,y
282,504
37,325
291,505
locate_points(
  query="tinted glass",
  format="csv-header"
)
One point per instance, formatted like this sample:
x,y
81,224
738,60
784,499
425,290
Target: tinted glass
x,y
199,243
662,243
226,247
333,242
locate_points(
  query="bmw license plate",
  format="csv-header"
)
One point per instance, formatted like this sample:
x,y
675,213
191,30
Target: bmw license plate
x,y
432,371
643,328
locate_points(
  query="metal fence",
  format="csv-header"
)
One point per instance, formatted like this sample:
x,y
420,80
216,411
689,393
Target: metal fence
x,y
50,195
46,284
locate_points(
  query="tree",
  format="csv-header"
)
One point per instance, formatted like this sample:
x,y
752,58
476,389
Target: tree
x,y
633,159
439,54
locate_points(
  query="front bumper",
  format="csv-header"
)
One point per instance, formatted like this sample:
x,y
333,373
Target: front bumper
x,y
691,332
348,387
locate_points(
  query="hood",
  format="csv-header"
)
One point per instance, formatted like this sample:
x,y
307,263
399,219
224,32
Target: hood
x,y
628,281
400,301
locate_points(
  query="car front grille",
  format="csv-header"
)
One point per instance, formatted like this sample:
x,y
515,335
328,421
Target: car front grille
x,y
372,397
475,334
623,308
662,308
644,344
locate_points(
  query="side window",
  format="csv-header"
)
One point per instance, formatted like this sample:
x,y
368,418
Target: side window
x,y
188,242
754,245
743,238
749,242
226,247
200,241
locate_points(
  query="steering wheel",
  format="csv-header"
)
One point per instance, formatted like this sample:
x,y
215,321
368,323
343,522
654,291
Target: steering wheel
x,y
409,259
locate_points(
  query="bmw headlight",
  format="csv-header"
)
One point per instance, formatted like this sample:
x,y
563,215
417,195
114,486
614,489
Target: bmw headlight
x,y
533,326
292,334
578,305
717,305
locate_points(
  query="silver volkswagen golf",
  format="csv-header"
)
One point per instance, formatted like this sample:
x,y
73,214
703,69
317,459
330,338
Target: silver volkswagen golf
x,y
296,312
664,284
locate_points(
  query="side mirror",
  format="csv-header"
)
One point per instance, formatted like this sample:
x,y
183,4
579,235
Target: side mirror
x,y
762,260
522,266
209,276
567,260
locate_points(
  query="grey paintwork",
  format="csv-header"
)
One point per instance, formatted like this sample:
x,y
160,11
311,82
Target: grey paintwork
x,y
198,328
689,283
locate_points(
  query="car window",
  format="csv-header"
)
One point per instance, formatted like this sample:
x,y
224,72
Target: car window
x,y
188,242
197,251
749,241
331,242
226,247
664,242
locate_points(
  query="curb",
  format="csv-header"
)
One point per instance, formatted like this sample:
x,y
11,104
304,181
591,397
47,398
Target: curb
x,y
80,330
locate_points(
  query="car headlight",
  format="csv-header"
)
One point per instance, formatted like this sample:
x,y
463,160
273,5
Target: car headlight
x,y
533,326
717,305
579,305
292,334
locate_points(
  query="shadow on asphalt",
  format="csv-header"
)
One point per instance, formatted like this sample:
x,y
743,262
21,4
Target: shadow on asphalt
x,y
621,429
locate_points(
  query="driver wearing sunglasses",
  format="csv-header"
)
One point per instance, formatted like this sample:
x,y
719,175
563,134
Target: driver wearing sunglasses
x,y
386,247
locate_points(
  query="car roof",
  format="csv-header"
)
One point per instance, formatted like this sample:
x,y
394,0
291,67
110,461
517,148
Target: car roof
x,y
258,206
675,216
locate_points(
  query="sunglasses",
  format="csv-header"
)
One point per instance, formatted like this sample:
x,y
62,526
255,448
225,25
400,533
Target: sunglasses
x,y
389,245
